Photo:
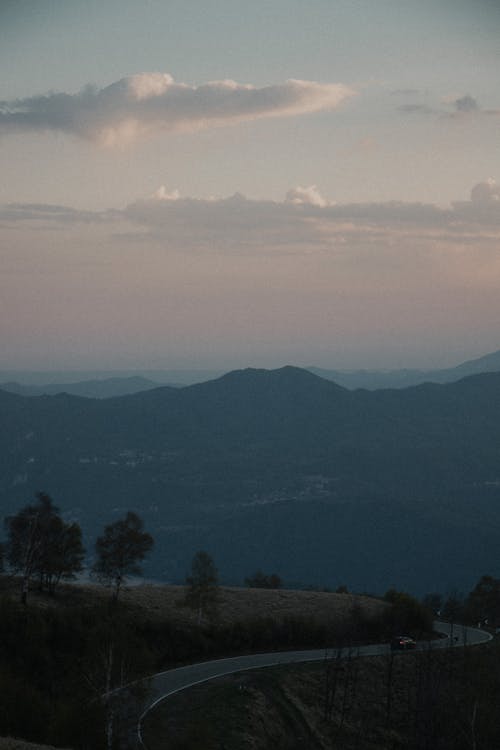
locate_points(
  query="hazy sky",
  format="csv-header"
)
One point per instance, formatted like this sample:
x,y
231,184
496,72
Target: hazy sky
x,y
225,183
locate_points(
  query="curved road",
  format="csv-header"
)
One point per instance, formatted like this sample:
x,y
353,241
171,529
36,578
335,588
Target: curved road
x,y
164,684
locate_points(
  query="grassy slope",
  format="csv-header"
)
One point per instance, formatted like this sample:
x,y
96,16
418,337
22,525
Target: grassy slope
x,y
164,604
159,603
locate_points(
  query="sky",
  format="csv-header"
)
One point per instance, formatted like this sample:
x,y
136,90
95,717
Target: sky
x,y
223,184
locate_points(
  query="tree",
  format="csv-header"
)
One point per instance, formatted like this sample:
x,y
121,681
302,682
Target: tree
x,y
483,602
453,608
406,615
202,586
40,543
61,555
261,580
119,551
433,602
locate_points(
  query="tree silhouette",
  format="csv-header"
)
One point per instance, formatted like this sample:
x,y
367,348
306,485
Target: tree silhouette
x,y
202,586
40,543
261,580
120,550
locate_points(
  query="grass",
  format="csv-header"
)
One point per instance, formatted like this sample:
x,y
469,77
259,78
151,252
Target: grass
x,y
159,603
244,711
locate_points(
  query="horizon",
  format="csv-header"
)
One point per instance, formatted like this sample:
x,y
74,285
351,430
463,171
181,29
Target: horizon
x,y
190,375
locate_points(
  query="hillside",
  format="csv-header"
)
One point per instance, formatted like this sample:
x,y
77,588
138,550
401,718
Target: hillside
x,y
60,654
281,470
157,603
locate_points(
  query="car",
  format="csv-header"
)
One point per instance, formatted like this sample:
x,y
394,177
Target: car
x,y
403,643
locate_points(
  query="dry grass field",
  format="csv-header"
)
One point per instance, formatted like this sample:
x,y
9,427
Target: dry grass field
x,y
156,602
236,604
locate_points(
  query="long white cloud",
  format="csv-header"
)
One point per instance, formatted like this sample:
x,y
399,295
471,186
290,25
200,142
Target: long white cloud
x,y
150,102
304,220
306,217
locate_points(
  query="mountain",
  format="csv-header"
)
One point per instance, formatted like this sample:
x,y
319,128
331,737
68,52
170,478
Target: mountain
x,y
103,385
69,377
105,388
376,379
488,363
279,470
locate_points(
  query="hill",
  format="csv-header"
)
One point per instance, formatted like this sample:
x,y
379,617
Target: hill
x,y
60,654
280,470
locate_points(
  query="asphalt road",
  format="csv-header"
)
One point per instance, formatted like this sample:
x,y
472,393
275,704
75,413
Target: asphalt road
x,y
160,686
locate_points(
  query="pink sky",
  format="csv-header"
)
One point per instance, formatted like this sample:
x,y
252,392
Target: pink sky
x,y
208,187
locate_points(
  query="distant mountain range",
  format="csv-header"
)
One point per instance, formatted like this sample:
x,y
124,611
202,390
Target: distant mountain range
x,y
279,470
375,379
98,383
103,385
103,388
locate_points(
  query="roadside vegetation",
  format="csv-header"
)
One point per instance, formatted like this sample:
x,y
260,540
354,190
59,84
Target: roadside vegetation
x,y
59,654
441,700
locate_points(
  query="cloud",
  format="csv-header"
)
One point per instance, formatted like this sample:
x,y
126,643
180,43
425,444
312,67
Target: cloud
x,y
485,192
148,103
466,104
233,224
42,212
305,221
483,209
306,195
160,276
412,109
405,92
162,195
457,108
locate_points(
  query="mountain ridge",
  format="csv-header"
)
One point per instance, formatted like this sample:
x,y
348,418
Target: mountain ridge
x,y
107,387
404,378
276,469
